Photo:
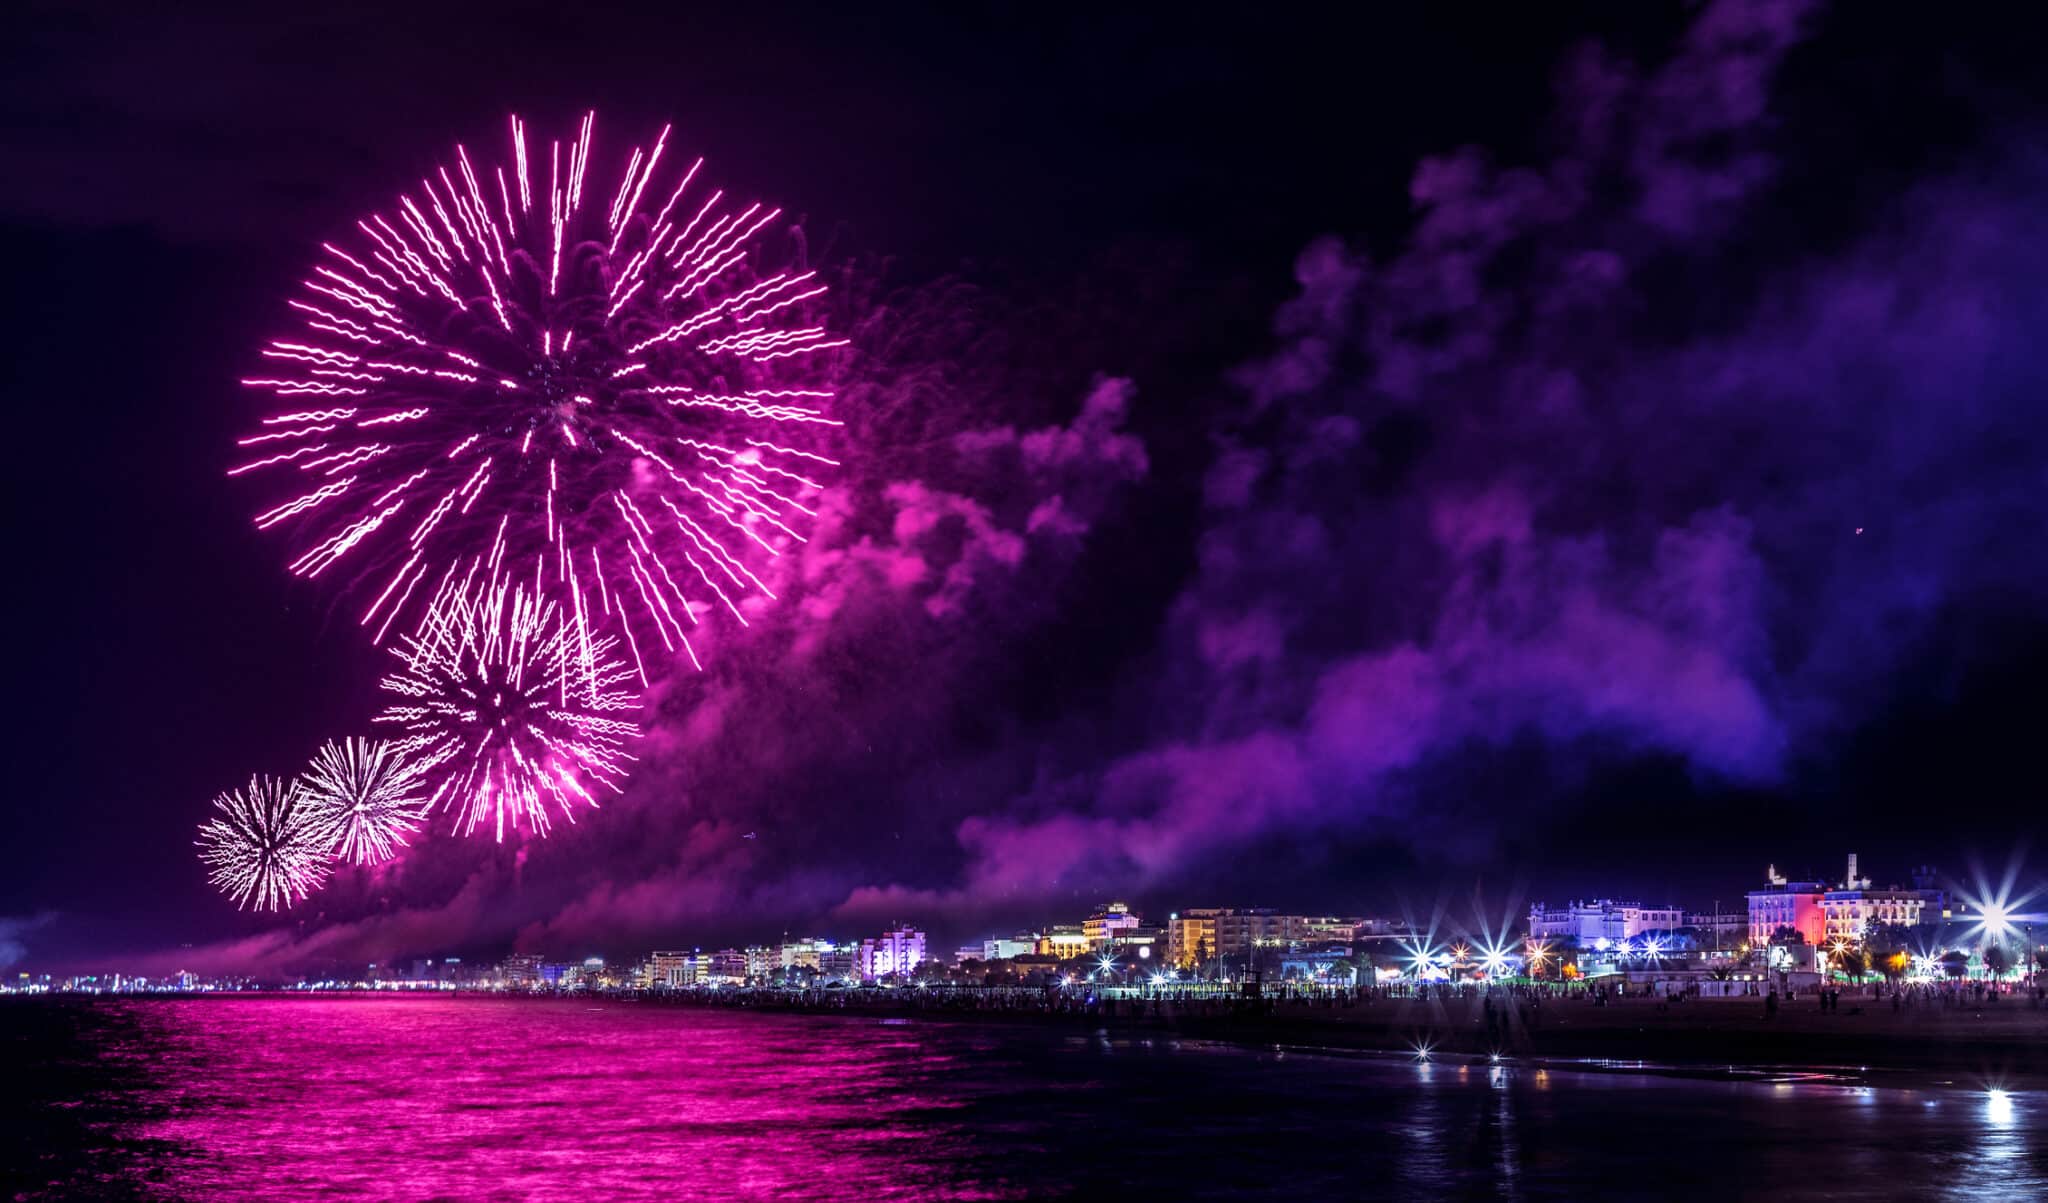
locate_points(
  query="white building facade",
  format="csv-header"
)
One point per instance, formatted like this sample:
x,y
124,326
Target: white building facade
x,y
895,952
1601,919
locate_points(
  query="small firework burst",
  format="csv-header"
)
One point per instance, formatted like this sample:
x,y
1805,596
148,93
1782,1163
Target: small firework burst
x,y
514,710
263,845
367,796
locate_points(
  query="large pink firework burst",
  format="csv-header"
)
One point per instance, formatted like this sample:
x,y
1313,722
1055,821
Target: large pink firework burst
x,y
367,797
513,708
263,844
616,387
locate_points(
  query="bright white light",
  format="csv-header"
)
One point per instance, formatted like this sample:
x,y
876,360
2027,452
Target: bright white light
x,y
1998,1107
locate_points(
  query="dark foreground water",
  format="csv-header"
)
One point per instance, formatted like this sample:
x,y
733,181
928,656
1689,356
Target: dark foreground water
x,y
472,1099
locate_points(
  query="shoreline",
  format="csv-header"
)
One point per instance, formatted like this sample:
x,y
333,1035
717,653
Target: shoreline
x,y
1617,1042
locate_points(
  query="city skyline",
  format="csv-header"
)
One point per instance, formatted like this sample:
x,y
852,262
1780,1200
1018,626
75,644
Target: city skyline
x,y
1824,914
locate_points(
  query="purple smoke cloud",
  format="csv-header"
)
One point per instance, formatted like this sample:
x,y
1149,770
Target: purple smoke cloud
x,y
1516,482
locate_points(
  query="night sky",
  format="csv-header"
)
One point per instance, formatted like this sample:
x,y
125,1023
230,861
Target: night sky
x,y
1546,451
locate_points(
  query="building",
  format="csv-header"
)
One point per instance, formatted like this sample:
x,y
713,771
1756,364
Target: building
x,y
1205,933
1786,903
999,949
895,953
1102,927
1851,914
1598,919
1718,930
1242,929
802,954
1333,929
1191,937
762,962
520,971
1064,941
727,967
587,976
670,969
1144,943
1853,910
839,964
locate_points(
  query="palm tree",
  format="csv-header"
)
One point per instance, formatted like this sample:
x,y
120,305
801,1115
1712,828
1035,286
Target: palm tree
x,y
1848,959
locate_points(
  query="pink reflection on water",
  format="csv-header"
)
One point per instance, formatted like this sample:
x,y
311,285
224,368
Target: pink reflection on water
x,y
442,1098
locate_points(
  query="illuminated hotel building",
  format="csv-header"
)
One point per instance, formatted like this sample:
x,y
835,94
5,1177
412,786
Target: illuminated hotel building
x,y
1000,949
1102,927
1064,941
838,964
806,953
1850,914
1853,910
1785,903
896,952
1236,931
1845,912
670,969
1601,919
1191,936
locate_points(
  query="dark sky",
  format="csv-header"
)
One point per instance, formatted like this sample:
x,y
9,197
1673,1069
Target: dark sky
x,y
1465,420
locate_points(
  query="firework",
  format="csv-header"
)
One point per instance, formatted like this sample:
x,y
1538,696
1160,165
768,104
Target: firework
x,y
600,378
513,708
367,796
263,845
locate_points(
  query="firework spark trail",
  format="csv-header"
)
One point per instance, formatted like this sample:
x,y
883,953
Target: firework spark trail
x,y
367,796
263,846
512,707
607,379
